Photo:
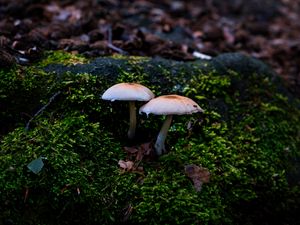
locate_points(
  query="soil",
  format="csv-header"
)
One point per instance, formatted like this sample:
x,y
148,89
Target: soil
x,y
268,30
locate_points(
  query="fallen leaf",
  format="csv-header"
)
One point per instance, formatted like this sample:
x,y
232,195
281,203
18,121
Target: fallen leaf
x,y
131,150
126,165
138,152
36,165
143,149
198,175
146,147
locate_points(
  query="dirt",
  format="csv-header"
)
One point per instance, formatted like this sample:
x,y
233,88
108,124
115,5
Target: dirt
x,y
268,30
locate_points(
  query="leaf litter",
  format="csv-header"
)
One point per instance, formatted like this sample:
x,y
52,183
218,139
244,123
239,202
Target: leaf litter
x,y
198,174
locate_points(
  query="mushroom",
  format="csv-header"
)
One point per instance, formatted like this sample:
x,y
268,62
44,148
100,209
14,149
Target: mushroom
x,y
168,105
129,92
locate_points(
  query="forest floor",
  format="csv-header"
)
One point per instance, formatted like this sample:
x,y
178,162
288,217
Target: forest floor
x,y
181,30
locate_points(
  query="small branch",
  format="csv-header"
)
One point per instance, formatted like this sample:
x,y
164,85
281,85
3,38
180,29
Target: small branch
x,y
41,110
110,44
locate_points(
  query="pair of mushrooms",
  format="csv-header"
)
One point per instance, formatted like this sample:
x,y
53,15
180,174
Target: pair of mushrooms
x,y
168,105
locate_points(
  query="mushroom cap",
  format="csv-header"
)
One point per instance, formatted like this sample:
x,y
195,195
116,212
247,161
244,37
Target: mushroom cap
x,y
170,105
128,92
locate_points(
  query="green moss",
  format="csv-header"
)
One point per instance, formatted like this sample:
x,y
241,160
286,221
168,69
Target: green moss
x,y
61,57
130,58
248,138
79,156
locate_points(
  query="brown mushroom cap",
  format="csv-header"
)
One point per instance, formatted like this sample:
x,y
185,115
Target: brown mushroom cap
x,y
171,105
128,92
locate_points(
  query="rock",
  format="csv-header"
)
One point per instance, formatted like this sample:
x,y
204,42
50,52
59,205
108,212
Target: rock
x,y
247,138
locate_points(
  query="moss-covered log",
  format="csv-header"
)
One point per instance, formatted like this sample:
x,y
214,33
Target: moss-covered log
x,y
248,138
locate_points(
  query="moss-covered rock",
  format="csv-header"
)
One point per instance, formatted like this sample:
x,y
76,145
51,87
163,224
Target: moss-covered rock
x,y
248,138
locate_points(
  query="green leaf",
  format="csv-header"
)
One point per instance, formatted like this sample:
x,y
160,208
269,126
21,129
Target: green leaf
x,y
36,165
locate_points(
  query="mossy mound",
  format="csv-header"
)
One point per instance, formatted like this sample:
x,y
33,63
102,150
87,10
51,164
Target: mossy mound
x,y
248,138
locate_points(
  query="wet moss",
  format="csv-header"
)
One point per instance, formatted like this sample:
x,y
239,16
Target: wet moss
x,y
248,138
60,57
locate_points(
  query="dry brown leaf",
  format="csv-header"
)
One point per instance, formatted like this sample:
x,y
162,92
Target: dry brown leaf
x,y
126,165
146,148
131,150
143,149
198,175
138,152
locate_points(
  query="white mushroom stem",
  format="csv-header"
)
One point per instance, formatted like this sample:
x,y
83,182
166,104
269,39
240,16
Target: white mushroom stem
x,y
160,141
132,125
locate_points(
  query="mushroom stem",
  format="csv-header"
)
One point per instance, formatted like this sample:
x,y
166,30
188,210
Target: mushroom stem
x,y
132,125
160,140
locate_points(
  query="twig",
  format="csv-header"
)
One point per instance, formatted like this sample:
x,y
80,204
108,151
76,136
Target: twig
x,y
110,44
41,110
